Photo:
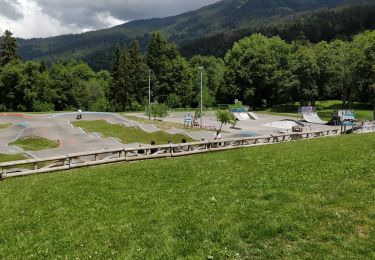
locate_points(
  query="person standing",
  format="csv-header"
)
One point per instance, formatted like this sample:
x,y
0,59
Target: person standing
x,y
217,135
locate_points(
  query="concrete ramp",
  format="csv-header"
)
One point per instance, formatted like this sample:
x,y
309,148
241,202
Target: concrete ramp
x,y
313,118
282,124
253,116
241,116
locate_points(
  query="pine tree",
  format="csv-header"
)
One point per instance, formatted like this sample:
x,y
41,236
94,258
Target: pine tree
x,y
137,69
115,72
123,95
8,48
43,66
156,53
116,62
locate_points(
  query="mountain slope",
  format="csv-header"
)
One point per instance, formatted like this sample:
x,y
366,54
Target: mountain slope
x,y
322,25
227,15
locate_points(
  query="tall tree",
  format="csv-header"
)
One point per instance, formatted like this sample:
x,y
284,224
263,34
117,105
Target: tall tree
x,y
137,74
115,74
257,70
8,48
171,72
157,53
306,72
213,78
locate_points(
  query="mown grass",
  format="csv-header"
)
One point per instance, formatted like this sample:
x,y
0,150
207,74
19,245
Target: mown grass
x,y
35,143
3,126
325,110
11,157
161,124
129,134
288,200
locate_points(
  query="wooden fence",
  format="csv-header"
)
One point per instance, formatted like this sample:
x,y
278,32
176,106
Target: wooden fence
x,y
71,161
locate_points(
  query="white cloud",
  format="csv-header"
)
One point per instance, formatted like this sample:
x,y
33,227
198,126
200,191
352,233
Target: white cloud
x,y
10,9
43,18
34,23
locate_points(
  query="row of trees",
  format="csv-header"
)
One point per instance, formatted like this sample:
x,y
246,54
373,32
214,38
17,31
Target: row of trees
x,y
268,71
258,70
32,86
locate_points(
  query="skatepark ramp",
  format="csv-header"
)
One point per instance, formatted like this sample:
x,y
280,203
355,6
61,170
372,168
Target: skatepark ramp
x,y
241,116
313,118
310,115
253,116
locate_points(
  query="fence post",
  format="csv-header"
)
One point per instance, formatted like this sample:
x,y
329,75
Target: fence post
x,y
70,161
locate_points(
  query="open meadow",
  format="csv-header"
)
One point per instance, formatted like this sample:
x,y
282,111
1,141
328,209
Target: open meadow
x,y
309,199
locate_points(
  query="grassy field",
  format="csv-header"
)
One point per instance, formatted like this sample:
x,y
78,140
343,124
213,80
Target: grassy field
x,y
129,134
3,126
11,157
35,143
288,200
325,110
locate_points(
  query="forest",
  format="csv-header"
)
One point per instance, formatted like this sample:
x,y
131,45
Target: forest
x,y
322,25
213,29
258,70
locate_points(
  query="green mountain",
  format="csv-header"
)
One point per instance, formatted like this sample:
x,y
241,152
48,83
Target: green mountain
x,y
322,25
222,17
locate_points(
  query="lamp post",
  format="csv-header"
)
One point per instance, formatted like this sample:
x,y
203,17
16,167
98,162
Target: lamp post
x,y
201,69
149,94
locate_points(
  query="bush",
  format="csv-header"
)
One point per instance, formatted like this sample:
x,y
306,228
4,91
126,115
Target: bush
x,y
43,107
158,110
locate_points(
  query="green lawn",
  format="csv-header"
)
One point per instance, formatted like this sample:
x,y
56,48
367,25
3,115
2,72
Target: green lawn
x,y
35,143
288,200
129,134
3,126
325,110
11,157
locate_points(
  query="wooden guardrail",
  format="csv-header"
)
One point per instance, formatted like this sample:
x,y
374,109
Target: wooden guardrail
x,y
71,161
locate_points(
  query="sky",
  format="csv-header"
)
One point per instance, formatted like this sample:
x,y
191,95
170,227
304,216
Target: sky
x,y
44,18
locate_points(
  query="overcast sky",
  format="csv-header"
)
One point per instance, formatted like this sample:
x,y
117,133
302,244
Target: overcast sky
x,y
43,18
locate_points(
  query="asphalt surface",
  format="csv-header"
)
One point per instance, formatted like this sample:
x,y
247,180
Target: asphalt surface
x,y
75,140
72,139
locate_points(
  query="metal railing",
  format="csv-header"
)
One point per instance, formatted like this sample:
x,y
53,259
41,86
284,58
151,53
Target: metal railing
x,y
72,161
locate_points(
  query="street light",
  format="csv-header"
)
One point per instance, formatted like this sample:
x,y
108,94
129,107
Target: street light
x,y
149,94
201,69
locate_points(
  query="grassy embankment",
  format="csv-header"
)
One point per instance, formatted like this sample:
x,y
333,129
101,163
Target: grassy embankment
x,y
128,134
289,200
324,108
3,126
161,124
11,157
35,143
28,144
